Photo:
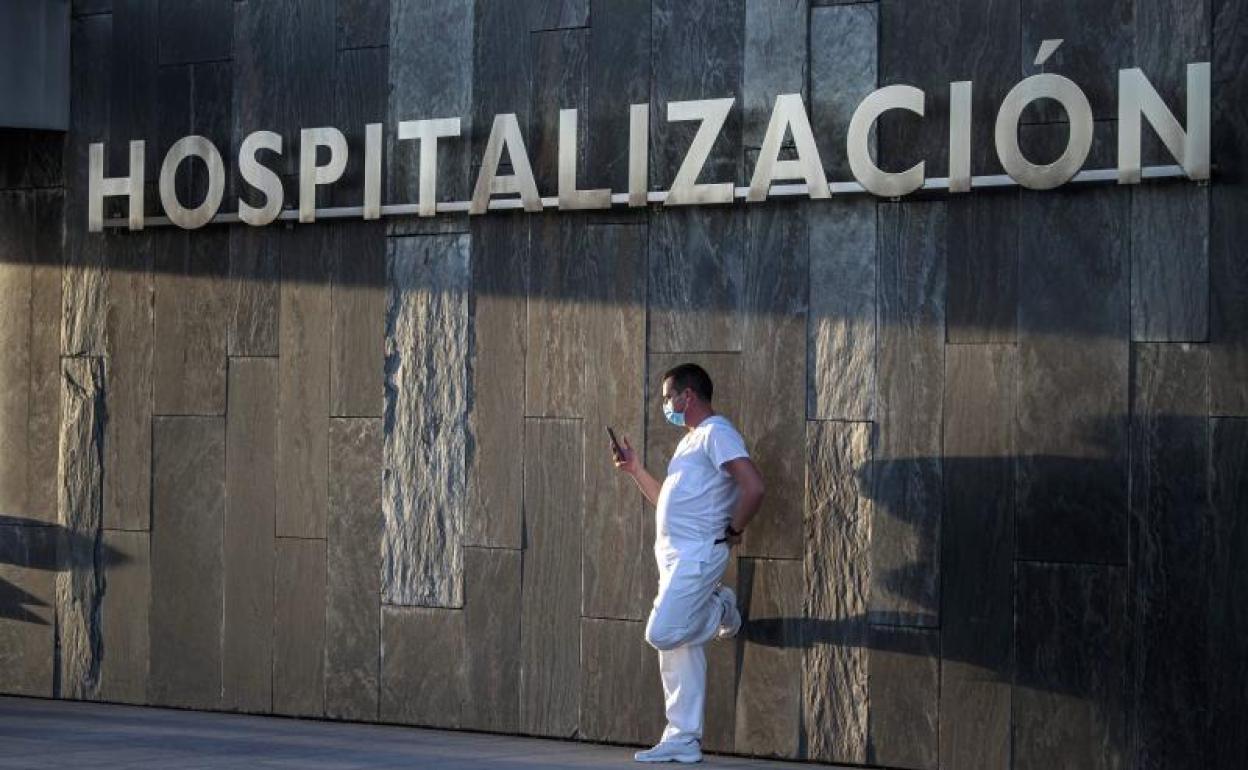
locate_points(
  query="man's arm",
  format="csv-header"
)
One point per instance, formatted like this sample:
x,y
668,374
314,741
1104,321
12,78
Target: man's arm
x,y
750,482
631,464
648,484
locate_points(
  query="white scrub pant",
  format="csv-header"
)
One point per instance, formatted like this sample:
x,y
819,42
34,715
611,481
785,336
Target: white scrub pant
x,y
685,616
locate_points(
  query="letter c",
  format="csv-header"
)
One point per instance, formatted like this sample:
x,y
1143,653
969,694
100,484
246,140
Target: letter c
x,y
869,175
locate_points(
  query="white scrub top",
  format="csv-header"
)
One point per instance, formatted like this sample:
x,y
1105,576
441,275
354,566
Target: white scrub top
x,y
697,497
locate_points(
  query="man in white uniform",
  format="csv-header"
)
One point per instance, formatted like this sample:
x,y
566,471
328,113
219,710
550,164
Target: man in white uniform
x,y
711,491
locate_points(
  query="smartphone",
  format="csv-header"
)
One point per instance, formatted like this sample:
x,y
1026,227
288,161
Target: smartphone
x,y
615,444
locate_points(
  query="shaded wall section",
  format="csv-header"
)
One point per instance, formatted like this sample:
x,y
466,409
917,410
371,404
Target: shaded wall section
x,y
357,470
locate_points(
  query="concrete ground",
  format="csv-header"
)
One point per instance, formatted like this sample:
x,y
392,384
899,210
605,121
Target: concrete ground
x,y
36,734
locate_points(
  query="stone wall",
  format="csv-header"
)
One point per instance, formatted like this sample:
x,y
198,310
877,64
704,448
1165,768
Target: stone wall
x,y
357,470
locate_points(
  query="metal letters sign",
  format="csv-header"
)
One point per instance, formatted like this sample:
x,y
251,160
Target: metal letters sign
x,y
1138,102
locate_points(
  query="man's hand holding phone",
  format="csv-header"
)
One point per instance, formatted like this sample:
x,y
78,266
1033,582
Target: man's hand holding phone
x,y
622,452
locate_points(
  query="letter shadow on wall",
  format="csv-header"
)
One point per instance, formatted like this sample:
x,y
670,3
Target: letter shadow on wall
x,y
45,548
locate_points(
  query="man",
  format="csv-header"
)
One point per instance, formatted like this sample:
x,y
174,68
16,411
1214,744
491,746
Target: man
x,y
707,499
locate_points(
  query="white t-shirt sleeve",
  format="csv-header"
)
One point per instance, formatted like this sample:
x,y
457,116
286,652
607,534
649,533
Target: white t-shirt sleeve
x,y
724,444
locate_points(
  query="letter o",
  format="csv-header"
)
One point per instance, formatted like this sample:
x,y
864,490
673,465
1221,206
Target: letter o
x,y
1063,91
186,147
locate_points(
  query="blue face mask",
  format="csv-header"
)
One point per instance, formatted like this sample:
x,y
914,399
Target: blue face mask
x,y
674,417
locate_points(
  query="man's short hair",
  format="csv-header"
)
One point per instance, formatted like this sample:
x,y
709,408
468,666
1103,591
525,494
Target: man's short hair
x,y
691,376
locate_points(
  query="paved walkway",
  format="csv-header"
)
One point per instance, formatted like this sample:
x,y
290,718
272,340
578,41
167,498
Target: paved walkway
x,y
37,734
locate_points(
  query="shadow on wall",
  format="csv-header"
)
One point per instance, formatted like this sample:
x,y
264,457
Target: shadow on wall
x,y
54,549
1118,633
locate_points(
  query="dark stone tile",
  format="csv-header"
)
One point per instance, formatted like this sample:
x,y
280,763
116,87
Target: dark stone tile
x,y
433,78
977,548
361,88
1071,657
353,569
306,29
363,23
622,689
769,694
1170,34
424,491
90,84
358,309
188,510
291,43
558,315
558,14
930,44
46,163
1170,516
14,157
773,382
261,53
844,61
175,116
305,327
1072,424
841,354
560,66
776,61
195,30
255,280
44,415
1170,263
492,601
1096,46
191,301
422,666
1228,271
16,250
17,236
83,305
27,608
618,76
31,158
983,267
501,71
130,342
498,309
79,584
617,566
699,52
250,511
696,287
299,627
134,92
904,693
125,654
905,583
837,570
1228,617
194,99
551,592
213,117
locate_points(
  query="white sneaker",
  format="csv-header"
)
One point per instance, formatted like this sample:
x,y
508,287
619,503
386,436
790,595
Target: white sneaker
x,y
671,751
730,624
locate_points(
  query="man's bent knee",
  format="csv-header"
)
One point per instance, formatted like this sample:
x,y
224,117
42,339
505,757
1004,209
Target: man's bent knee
x,y
664,639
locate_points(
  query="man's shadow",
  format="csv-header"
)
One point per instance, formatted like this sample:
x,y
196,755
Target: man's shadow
x,y
1009,643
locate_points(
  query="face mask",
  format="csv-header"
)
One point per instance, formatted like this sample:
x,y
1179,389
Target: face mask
x,y
674,417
